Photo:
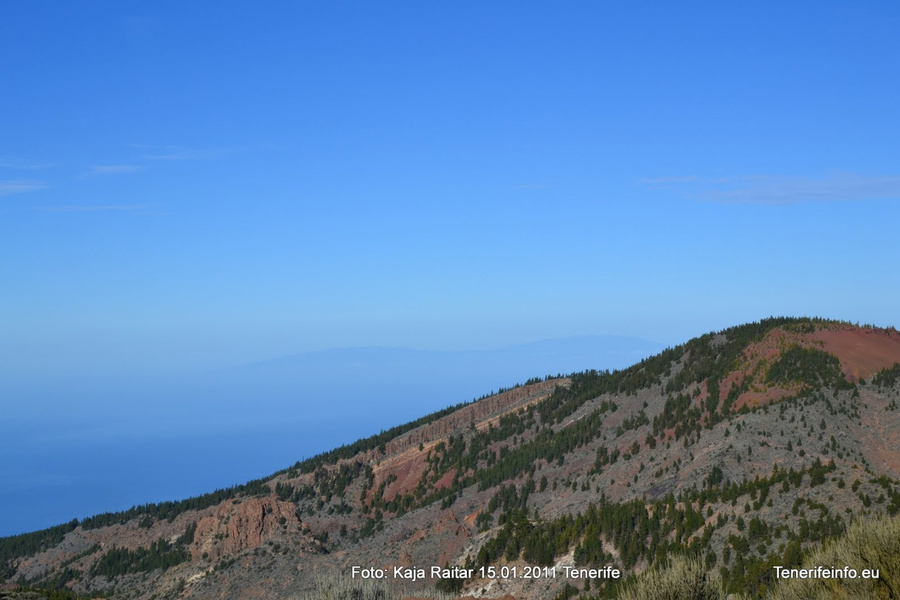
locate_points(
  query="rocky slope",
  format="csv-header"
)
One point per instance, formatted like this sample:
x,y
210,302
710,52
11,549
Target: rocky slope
x,y
743,448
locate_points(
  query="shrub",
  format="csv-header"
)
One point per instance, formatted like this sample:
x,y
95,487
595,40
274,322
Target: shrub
x,y
871,544
343,587
683,579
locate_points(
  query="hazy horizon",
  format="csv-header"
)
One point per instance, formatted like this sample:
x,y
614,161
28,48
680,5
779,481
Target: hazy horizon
x,y
184,191
77,450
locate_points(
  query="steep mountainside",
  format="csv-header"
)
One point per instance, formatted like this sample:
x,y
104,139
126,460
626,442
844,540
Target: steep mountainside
x,y
743,448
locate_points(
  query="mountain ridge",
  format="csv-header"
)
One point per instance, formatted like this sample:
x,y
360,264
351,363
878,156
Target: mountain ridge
x,y
198,423
486,481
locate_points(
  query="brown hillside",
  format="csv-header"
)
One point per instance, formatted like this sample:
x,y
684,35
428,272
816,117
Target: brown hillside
x,y
759,472
862,352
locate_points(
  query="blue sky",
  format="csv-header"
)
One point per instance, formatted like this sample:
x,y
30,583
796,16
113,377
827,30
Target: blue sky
x,y
186,189
182,187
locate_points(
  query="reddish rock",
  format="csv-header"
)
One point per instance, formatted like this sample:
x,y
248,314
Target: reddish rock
x,y
248,524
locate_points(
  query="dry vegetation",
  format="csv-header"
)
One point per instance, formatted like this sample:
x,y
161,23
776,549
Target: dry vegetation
x,y
342,587
682,580
873,544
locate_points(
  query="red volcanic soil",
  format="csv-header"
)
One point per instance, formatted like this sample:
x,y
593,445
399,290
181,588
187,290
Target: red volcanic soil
x,y
470,519
757,357
862,352
407,466
446,480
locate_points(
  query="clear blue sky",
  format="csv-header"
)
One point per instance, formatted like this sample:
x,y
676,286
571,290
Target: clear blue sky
x,y
192,185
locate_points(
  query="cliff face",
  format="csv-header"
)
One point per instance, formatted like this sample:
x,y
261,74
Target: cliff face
x,y
404,462
235,527
739,447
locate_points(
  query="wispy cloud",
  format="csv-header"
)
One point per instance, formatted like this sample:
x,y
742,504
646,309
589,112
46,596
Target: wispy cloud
x,y
667,180
94,208
111,170
771,190
7,162
175,153
184,155
20,187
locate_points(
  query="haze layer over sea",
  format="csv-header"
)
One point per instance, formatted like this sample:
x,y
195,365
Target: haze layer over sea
x,y
75,448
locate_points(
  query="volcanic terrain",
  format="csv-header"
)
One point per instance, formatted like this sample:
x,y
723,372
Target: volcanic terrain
x,y
742,448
